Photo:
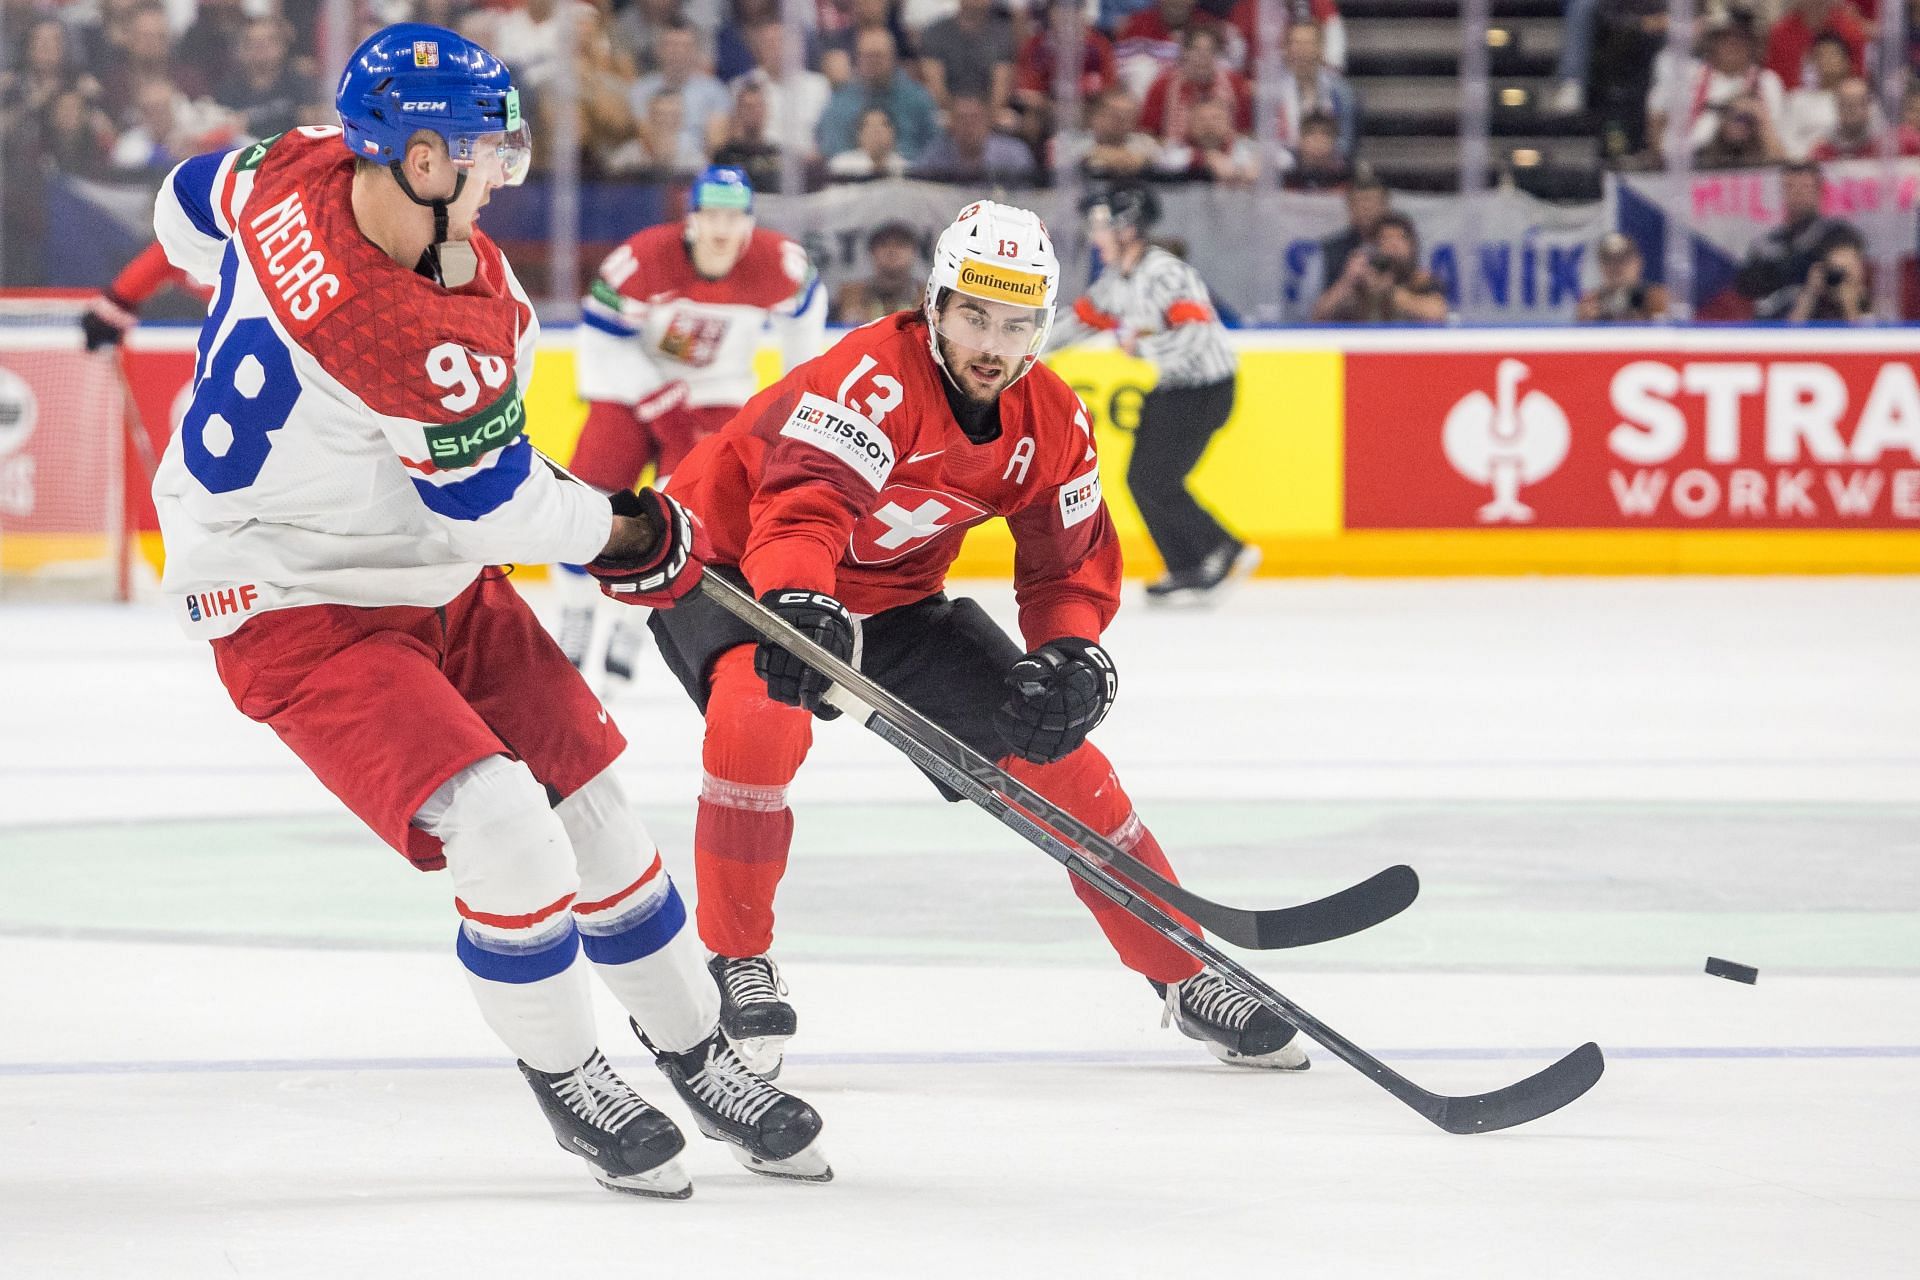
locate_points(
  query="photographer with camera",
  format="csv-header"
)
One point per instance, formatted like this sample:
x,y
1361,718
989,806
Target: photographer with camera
x,y
1780,264
1836,288
1383,282
1623,297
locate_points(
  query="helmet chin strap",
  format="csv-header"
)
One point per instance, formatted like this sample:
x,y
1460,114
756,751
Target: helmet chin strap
x,y
430,260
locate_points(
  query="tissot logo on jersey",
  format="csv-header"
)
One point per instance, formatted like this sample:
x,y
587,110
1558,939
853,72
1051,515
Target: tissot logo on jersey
x,y
215,604
843,433
294,263
1079,498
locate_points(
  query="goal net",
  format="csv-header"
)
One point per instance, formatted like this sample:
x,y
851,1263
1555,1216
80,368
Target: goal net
x,y
62,454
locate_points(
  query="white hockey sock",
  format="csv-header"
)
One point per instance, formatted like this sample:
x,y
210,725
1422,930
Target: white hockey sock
x,y
546,1023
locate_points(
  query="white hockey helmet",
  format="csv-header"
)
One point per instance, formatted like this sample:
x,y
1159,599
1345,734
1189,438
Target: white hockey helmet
x,y
1001,254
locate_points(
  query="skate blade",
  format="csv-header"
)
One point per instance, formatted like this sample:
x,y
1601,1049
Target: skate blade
x,y
763,1055
1288,1057
806,1165
662,1182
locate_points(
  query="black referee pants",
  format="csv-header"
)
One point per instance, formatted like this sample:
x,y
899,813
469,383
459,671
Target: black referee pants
x,y
1176,424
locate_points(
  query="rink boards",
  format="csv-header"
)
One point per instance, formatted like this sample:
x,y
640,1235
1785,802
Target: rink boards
x,y
1404,451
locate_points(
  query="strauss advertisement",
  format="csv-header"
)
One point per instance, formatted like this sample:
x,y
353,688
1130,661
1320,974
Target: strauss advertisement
x,y
1632,440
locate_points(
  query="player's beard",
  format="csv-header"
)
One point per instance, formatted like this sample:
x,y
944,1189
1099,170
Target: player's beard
x,y
978,376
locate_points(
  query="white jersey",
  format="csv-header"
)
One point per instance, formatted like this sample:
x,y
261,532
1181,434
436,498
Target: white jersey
x,y
650,319
355,434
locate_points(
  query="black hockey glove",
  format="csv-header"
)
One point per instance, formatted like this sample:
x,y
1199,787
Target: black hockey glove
x,y
1060,691
821,619
106,320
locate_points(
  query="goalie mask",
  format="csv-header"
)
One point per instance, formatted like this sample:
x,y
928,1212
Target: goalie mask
x,y
1000,255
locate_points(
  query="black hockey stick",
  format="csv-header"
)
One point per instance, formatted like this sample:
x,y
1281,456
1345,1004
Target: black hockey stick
x,y
1357,907
930,747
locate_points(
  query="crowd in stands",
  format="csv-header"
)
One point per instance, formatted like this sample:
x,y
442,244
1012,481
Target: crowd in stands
x,y
969,90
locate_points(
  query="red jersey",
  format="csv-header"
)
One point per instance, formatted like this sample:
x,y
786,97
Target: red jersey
x,y
851,476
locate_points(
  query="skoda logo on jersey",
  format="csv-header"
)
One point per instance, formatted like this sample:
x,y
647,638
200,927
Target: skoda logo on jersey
x,y
432,107
19,411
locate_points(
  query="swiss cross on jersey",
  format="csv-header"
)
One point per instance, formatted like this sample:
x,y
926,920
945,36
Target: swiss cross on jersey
x,y
907,518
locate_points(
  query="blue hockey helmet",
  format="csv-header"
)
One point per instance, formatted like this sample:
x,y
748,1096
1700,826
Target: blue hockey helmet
x,y
722,186
412,76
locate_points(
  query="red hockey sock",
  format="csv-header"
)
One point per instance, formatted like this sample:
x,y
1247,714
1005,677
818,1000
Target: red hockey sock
x,y
1085,785
753,748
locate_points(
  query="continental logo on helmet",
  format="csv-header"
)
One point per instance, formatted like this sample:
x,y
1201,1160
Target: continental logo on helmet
x,y
426,53
985,280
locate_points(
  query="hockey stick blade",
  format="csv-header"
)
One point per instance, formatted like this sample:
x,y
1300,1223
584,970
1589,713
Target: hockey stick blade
x,y
1016,806
1539,1094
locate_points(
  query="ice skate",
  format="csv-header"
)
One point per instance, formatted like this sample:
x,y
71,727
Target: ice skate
x,y
768,1131
756,1020
1235,1027
597,1116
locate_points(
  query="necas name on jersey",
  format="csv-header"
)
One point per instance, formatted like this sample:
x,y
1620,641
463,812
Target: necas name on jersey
x,y
294,263
843,433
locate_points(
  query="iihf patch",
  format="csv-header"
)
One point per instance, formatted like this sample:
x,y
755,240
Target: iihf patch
x,y
1079,498
426,53
193,608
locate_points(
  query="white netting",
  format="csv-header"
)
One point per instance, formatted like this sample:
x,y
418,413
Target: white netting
x,y
62,448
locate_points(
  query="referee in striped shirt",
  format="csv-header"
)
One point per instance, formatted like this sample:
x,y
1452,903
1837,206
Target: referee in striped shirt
x,y
1158,308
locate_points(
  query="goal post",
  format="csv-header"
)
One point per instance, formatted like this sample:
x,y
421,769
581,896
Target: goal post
x,y
63,445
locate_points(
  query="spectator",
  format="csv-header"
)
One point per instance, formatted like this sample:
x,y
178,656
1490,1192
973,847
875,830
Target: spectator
x,y
1793,36
638,24
1316,163
1577,33
1384,285
1835,290
971,53
795,95
1197,77
1366,205
970,151
159,119
836,51
1308,86
146,53
733,54
1111,146
75,135
1325,14
1213,151
877,82
1623,296
1727,71
603,100
1909,135
661,145
1743,139
1811,111
1778,264
1628,40
704,104
528,36
746,145
876,156
203,56
261,88
1150,41
1856,133
896,283
1035,71
43,71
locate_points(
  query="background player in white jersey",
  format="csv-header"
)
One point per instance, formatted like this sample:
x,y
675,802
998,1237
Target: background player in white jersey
x,y
351,463
667,339
1158,307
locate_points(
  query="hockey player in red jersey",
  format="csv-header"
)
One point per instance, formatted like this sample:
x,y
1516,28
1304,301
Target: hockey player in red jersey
x,y
351,464
116,309
840,496
667,339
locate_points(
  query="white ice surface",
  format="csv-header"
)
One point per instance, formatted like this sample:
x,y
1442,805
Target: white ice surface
x,y
172,1104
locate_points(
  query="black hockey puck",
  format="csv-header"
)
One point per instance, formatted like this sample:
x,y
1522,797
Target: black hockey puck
x,y
1728,969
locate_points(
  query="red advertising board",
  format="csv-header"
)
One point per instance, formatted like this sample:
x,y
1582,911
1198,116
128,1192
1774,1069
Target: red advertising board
x,y
1632,439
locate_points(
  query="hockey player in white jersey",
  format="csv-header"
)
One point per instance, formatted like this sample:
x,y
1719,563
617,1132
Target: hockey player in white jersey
x,y
667,338
351,464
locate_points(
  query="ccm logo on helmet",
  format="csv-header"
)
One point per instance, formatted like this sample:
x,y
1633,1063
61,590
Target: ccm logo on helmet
x,y
984,280
436,106
846,435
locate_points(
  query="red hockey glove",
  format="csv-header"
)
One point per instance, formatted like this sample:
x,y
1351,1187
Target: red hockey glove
x,y
1057,694
671,565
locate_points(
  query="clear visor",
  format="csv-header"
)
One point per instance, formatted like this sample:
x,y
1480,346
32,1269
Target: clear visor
x,y
502,159
997,329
